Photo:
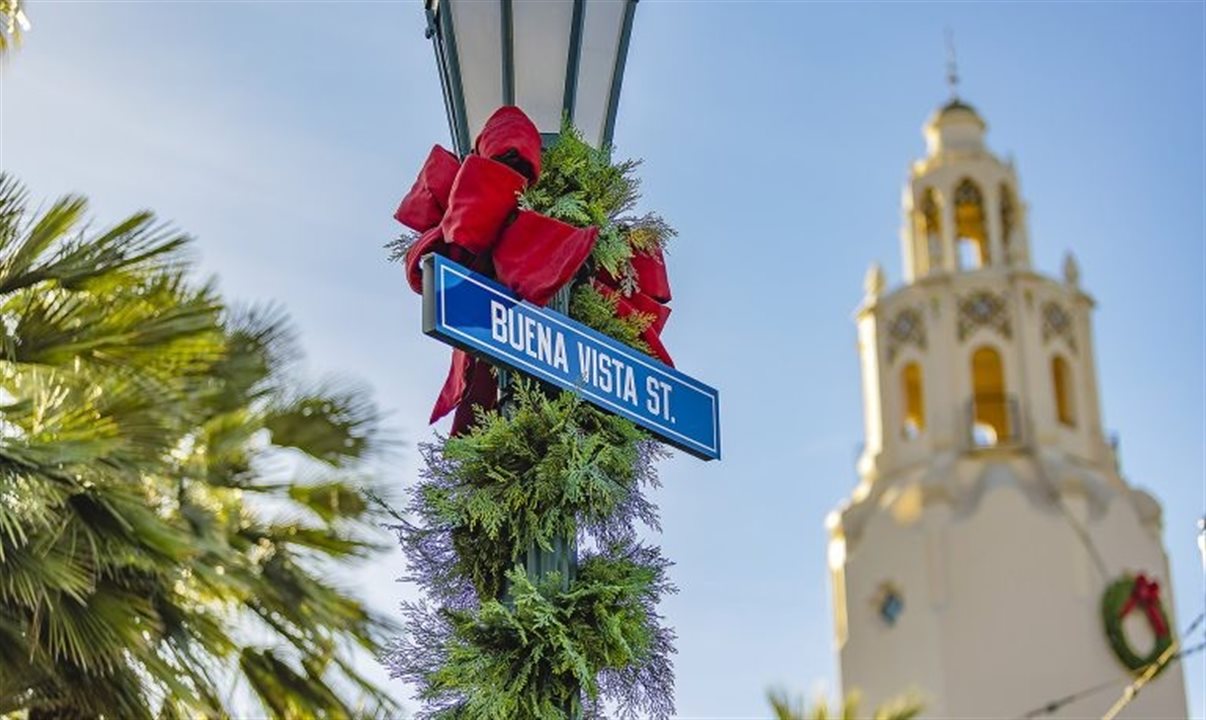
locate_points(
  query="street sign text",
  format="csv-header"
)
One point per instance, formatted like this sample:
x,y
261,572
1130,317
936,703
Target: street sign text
x,y
475,313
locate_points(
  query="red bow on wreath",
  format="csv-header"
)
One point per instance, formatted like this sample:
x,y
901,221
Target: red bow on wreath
x,y
1145,594
468,212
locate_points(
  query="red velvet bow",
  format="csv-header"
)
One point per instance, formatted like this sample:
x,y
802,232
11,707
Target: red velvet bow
x,y
1145,594
467,211
650,298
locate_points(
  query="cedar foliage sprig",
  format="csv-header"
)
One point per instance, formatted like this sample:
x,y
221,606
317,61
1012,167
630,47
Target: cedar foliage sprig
x,y
594,309
488,643
553,466
582,186
530,478
525,658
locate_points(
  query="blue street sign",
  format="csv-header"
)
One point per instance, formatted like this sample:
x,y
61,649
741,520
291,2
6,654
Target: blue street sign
x,y
476,314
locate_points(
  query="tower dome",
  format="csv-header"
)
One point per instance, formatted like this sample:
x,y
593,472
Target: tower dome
x,y
956,126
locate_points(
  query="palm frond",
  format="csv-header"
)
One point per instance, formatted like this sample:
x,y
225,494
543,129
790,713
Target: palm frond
x,y
261,347
44,249
12,23
903,708
287,694
136,411
335,423
785,707
331,499
152,326
19,255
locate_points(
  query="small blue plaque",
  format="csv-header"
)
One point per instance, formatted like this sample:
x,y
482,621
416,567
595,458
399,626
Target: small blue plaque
x,y
476,314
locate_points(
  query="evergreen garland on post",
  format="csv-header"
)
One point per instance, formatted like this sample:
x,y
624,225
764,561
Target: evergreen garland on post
x,y
489,643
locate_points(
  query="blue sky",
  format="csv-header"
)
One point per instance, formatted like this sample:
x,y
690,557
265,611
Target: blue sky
x,y
776,138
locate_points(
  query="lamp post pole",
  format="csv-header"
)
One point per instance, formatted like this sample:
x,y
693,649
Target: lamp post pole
x,y
558,60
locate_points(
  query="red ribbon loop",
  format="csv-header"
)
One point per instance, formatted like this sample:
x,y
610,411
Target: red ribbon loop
x,y
1145,594
423,207
511,137
536,255
483,198
467,211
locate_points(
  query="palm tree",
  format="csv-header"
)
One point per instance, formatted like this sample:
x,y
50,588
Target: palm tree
x,y
786,708
12,23
171,495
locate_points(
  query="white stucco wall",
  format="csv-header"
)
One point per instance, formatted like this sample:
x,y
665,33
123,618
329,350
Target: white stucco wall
x,y
1001,596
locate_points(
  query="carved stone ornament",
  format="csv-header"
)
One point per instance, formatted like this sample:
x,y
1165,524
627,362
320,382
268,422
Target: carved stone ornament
x,y
984,309
907,328
874,282
1071,270
1058,323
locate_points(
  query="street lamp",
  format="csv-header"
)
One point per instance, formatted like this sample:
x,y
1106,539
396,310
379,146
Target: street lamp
x,y
552,58
555,60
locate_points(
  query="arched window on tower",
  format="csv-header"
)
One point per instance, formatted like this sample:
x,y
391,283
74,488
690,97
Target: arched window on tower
x,y
971,227
929,223
913,397
989,404
1008,219
1061,388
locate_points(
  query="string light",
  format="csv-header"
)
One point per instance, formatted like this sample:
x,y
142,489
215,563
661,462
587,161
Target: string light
x,y
1170,656
1054,706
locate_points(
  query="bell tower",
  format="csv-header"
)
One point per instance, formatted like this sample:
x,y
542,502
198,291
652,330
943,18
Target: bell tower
x,y
961,204
990,513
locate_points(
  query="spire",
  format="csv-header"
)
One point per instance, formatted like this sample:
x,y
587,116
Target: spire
x,y
952,65
956,124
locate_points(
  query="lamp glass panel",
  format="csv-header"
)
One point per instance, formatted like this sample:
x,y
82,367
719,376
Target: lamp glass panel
x,y
602,25
477,25
541,42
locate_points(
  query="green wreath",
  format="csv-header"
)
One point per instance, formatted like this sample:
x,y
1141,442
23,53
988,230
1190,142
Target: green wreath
x,y
1120,599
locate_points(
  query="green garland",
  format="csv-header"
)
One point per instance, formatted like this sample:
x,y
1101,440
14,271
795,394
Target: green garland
x,y
530,478
526,658
1112,602
489,643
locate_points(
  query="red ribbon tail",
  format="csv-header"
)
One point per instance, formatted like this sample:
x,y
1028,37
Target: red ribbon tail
x,y
1158,626
482,392
454,385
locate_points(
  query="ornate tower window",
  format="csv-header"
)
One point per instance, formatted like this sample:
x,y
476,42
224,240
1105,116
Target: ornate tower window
x,y
930,226
1061,388
989,406
913,397
1008,219
983,309
1057,323
907,328
971,228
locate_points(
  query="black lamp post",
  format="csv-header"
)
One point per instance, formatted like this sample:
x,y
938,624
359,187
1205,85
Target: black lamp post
x,y
552,58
